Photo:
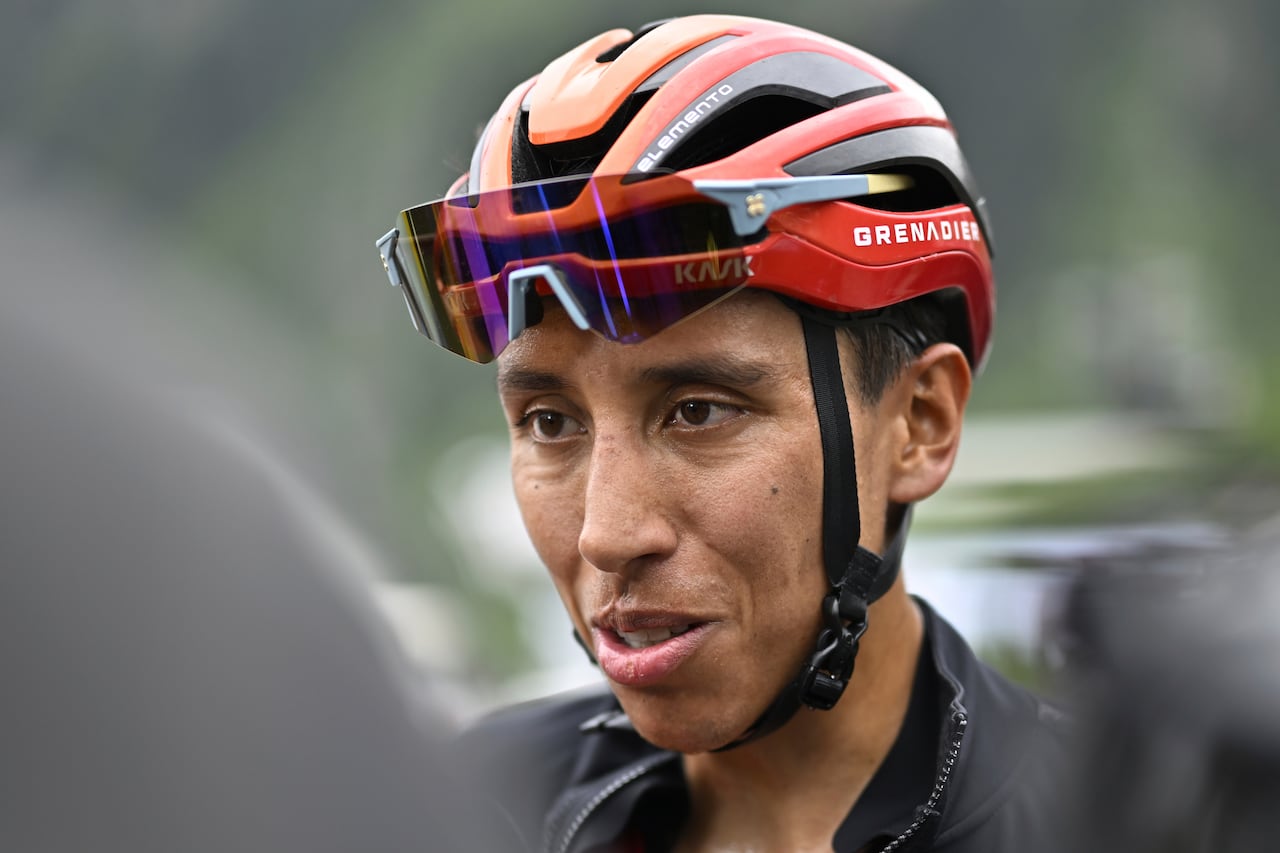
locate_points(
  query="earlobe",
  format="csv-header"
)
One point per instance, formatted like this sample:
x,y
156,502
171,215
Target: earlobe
x,y
935,390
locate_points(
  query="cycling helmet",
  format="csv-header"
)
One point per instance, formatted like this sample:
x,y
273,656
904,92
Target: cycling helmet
x,y
642,177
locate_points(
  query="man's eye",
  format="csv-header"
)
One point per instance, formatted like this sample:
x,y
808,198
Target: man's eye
x,y
702,413
550,426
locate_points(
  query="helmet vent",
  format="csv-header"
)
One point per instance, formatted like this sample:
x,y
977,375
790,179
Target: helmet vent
x,y
930,155
669,70
754,102
929,190
618,49
740,126
531,162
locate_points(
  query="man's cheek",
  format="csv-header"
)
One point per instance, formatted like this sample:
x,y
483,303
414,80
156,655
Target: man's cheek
x,y
776,504
557,547
550,518
571,598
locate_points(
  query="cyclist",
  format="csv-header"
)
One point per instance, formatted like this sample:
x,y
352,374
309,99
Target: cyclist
x,y
712,258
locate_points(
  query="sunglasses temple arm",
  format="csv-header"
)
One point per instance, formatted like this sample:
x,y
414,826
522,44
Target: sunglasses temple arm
x,y
751,202
388,245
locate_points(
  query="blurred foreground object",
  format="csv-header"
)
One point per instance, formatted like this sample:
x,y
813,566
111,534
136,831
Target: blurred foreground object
x,y
1179,657
185,666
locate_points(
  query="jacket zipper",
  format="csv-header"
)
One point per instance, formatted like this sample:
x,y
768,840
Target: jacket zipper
x,y
939,787
616,784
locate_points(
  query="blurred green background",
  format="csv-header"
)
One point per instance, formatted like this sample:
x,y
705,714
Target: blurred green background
x,y
212,174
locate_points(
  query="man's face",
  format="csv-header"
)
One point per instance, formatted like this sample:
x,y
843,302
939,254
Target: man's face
x,y
674,490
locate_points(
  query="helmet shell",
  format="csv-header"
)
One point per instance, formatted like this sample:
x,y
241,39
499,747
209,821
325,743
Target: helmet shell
x,y
728,97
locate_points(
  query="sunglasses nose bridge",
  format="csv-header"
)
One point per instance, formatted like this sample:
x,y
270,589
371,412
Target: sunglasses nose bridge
x,y
521,291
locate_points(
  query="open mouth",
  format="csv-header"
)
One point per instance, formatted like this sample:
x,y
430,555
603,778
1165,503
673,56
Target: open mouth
x,y
640,656
646,637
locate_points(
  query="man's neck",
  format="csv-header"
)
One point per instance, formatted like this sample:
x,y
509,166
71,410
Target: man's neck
x,y
792,789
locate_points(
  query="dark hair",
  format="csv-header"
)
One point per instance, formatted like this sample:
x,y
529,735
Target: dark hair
x,y
887,340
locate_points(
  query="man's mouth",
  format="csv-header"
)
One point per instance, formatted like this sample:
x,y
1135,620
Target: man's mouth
x,y
646,637
641,655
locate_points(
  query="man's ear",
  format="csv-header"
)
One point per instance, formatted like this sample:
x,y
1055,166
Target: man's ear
x,y
933,392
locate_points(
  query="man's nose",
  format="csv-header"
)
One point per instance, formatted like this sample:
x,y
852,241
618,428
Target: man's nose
x,y
626,518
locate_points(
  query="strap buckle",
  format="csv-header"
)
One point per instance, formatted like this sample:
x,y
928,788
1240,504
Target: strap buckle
x,y
828,670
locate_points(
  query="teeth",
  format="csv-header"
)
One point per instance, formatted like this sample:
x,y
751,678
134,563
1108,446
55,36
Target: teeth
x,y
646,637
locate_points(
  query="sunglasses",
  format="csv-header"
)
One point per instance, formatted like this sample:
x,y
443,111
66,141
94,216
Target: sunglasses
x,y
625,258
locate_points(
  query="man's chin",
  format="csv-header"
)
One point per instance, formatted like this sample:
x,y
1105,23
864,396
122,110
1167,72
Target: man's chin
x,y
689,731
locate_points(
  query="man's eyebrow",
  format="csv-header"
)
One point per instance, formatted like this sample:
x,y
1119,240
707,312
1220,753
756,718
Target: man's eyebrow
x,y
706,370
710,370
521,379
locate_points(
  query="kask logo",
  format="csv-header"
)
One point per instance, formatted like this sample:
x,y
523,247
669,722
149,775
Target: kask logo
x,y
730,269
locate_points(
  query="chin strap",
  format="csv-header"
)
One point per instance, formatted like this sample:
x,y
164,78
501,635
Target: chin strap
x,y
857,576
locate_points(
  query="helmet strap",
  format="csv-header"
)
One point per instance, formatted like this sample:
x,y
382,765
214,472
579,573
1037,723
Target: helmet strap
x,y
857,576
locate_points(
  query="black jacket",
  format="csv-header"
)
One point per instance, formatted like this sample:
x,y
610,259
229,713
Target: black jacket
x,y
570,774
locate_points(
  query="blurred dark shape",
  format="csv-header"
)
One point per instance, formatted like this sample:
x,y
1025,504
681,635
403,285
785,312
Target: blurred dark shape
x,y
183,668
1177,661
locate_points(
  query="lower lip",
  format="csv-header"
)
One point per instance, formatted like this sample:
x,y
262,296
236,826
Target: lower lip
x,y
642,667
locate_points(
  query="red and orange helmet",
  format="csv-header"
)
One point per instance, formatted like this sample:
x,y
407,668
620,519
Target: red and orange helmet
x,y
644,176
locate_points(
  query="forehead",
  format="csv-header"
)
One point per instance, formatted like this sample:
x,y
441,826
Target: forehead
x,y
747,337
